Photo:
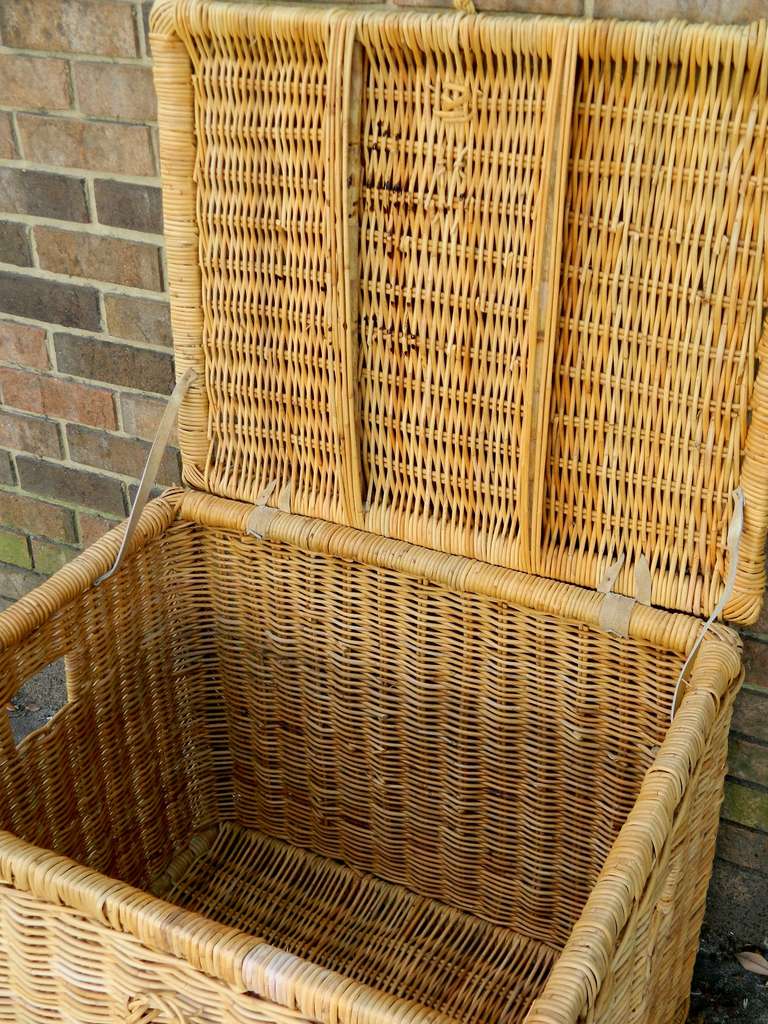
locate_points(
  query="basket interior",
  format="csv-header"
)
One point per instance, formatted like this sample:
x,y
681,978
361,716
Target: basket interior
x,y
413,786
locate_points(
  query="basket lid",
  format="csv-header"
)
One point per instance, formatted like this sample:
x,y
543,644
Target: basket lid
x,y
491,285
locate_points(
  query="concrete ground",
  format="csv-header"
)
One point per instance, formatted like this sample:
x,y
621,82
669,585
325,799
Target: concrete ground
x,y
722,991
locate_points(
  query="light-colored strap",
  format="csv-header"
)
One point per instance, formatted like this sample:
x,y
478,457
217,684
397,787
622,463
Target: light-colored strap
x,y
616,609
732,553
152,465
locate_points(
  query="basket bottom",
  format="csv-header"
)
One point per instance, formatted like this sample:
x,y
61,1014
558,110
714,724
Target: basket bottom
x,y
344,920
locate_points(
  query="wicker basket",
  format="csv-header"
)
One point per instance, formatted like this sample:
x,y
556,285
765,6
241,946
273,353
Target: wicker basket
x,y
371,721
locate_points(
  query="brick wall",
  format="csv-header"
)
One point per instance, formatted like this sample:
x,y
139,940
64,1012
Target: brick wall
x,y
85,342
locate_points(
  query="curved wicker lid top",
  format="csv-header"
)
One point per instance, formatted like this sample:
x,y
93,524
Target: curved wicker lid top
x,y
491,285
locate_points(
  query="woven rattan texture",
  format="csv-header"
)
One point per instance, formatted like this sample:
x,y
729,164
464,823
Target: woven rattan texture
x,y
455,145
481,755
326,913
491,285
663,292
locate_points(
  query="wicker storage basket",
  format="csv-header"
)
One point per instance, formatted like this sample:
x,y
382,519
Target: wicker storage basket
x,y
372,721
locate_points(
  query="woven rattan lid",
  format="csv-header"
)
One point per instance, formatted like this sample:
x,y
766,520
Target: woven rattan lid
x,y
494,286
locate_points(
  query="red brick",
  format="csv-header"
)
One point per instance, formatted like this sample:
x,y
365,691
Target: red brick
x,y
23,345
123,205
115,90
34,83
71,485
112,363
691,10
7,474
141,415
48,558
99,27
569,7
94,146
42,194
138,319
29,434
93,527
55,302
14,549
62,399
750,714
14,244
39,517
756,662
123,455
7,142
81,254
14,582
743,847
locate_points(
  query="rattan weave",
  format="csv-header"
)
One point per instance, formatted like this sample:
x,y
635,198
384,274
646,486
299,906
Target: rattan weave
x,y
471,308
491,285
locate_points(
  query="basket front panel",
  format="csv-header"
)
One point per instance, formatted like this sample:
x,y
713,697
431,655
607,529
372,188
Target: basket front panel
x,y
58,966
478,754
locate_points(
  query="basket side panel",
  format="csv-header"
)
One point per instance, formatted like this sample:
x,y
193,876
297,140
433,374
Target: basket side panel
x,y
122,773
663,307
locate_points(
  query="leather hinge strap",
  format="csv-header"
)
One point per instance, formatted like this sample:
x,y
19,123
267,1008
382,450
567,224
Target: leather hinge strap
x,y
733,541
152,465
616,609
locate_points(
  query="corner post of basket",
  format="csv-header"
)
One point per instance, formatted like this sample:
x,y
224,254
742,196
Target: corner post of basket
x,y
152,465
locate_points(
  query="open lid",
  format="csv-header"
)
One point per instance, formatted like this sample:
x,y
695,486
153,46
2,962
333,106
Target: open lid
x,y
491,285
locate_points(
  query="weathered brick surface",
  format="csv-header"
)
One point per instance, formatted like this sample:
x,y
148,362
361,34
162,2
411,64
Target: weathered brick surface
x,y
78,26
15,582
71,485
23,345
745,805
750,715
113,363
115,90
55,302
123,455
139,319
121,204
141,415
98,257
37,517
34,83
29,434
47,557
742,846
15,245
91,145
748,761
14,549
58,196
7,144
691,10
58,398
93,527
7,474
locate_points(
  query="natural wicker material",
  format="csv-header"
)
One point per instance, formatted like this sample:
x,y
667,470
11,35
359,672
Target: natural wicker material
x,y
441,733
466,299
491,285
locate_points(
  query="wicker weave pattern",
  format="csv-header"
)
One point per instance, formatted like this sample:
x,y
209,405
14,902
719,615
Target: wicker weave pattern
x,y
456,143
394,213
268,107
663,292
221,679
